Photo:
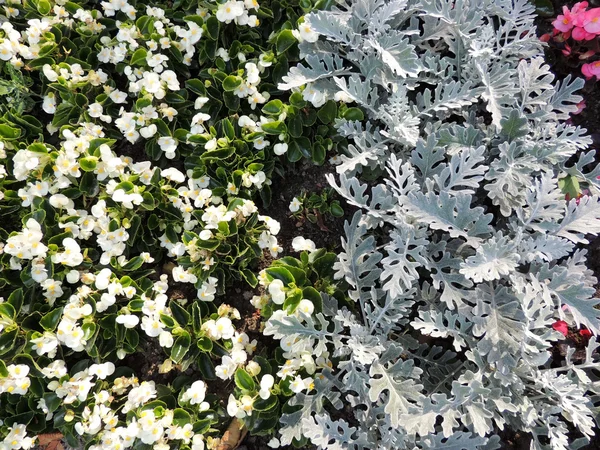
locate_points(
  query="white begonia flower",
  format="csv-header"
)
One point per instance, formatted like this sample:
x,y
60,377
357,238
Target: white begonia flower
x,y
72,256
297,385
274,443
233,407
224,328
169,77
229,11
205,235
165,339
226,369
295,205
149,131
301,244
335,160
128,320
306,33
168,145
341,96
266,383
276,291
95,110
173,174
195,394
103,279
211,144
152,326
314,96
280,149
49,73
306,307
252,73
102,370
56,369
253,368
61,201
200,102
118,96
49,103
73,276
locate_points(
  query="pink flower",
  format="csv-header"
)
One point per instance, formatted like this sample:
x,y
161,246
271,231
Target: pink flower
x,y
579,34
563,22
545,37
585,333
561,326
591,21
567,50
580,107
591,70
578,13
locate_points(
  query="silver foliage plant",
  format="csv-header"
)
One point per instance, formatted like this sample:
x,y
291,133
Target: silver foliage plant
x,y
464,241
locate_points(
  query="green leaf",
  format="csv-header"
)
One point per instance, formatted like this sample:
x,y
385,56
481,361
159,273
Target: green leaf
x,y
196,86
273,108
232,82
16,299
285,40
181,347
134,263
51,319
3,370
276,127
44,7
250,278
88,164
196,318
228,129
303,145
139,57
318,154
212,28
89,184
181,417
280,273
335,209
205,344
292,300
323,265
9,133
297,100
569,185
294,154
310,293
354,114
179,313
8,337
328,112
7,311
266,404
243,380
52,401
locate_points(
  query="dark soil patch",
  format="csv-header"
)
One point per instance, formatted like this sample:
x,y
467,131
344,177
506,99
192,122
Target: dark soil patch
x,y
309,178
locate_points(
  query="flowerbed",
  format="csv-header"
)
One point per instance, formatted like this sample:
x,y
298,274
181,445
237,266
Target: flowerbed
x,y
143,147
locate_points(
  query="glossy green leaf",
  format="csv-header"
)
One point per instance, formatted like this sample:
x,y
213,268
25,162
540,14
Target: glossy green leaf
x,y
51,319
243,380
285,39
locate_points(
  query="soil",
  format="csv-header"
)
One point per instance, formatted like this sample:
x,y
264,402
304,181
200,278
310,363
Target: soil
x,y
311,179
